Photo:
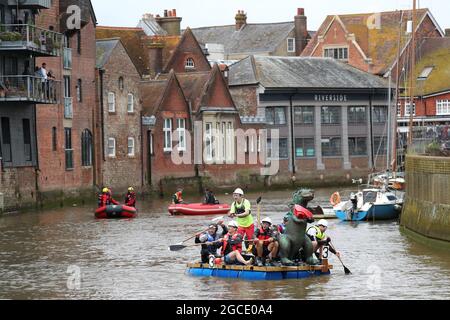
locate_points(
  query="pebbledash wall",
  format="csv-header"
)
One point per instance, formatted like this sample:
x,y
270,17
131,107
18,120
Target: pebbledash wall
x,y
427,205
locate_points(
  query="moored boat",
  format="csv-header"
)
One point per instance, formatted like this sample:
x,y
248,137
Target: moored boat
x,y
253,273
115,212
198,209
370,204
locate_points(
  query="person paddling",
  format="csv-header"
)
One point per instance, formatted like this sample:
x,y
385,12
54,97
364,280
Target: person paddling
x,y
319,238
241,209
210,239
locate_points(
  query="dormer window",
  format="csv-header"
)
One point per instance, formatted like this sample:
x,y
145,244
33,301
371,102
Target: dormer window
x,y
291,45
425,73
336,53
190,63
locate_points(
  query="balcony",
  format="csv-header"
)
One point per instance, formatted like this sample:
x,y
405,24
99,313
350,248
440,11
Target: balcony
x,y
67,58
29,89
31,4
68,107
26,38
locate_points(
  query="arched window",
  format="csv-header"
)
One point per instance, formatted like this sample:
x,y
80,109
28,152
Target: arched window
x,y
79,90
190,63
86,148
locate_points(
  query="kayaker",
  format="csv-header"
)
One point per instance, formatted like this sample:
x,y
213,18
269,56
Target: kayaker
x,y
105,198
211,237
241,209
210,198
266,243
232,246
319,238
130,198
177,198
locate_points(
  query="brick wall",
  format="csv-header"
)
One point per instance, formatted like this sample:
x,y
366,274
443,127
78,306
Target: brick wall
x,y
123,170
53,175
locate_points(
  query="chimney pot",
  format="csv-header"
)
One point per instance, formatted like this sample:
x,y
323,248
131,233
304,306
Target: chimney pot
x,y
165,13
300,11
174,12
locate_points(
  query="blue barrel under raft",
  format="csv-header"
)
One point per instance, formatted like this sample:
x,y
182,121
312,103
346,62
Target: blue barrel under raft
x,y
115,212
252,273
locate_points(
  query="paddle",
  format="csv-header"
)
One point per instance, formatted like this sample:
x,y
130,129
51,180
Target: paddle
x,y
346,270
258,201
179,247
213,220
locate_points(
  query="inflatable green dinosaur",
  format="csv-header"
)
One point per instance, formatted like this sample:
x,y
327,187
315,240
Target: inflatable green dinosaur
x,y
295,239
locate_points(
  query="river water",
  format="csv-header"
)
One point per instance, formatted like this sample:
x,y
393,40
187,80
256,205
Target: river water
x,y
42,254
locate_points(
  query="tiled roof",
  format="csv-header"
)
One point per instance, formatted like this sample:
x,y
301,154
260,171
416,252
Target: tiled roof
x,y
151,95
193,85
301,72
252,38
378,44
131,40
104,48
434,52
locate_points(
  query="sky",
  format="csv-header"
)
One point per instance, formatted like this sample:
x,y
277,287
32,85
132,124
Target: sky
x,y
199,13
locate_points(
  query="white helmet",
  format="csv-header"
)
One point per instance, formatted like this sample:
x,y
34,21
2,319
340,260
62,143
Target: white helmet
x,y
233,224
352,196
323,222
239,191
268,220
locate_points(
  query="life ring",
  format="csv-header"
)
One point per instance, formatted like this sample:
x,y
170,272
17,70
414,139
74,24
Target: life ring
x,y
335,199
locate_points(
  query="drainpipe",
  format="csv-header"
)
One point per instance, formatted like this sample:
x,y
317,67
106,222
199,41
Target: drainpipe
x,y
37,168
102,123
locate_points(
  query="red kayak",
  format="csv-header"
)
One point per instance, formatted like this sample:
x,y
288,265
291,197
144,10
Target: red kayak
x,y
198,209
115,212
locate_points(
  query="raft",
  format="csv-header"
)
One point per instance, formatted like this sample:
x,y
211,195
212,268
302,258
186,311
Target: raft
x,y
253,273
115,212
198,209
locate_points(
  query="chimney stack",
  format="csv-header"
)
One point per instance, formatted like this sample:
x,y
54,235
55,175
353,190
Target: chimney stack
x,y
241,19
301,31
170,22
156,47
447,32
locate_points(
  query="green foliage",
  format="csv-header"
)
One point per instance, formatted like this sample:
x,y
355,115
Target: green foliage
x,y
10,36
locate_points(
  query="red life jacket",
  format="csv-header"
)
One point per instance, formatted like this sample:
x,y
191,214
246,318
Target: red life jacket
x,y
130,199
235,247
264,235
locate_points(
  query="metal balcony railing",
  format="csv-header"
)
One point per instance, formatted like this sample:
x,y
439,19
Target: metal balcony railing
x,y
67,58
26,37
29,89
68,107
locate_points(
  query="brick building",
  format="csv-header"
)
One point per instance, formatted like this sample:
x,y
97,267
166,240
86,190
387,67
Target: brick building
x,y
65,129
331,118
235,42
23,92
118,136
372,42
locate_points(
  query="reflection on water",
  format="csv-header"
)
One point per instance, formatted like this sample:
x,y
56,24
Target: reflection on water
x,y
129,259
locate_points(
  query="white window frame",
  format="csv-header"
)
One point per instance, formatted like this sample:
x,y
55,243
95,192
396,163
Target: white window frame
x,y
130,103
181,129
111,148
151,147
230,143
399,109
209,138
443,107
288,42
132,146
167,135
407,109
111,102
190,63
425,73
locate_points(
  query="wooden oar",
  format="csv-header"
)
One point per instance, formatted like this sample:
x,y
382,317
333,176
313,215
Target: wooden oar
x,y
346,270
179,247
258,201
192,237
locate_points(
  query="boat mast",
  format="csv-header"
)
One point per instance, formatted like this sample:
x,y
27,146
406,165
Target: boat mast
x,y
411,80
397,94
